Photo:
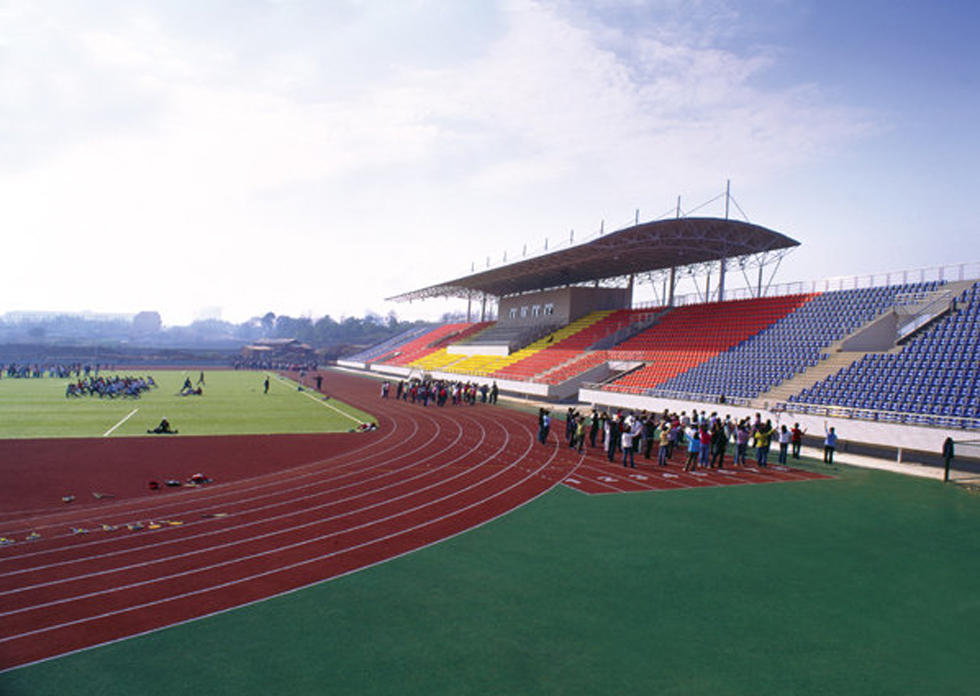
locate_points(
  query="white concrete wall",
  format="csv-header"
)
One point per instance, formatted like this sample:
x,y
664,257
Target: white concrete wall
x,y
479,349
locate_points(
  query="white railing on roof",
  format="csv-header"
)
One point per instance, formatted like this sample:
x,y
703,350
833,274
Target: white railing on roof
x,y
949,273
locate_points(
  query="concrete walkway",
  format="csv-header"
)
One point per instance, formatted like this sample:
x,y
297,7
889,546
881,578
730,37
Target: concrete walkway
x,y
908,468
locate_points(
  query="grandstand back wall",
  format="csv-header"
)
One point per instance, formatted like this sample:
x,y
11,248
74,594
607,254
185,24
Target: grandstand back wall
x,y
561,306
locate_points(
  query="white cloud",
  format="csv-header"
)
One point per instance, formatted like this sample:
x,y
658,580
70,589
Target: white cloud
x,y
266,178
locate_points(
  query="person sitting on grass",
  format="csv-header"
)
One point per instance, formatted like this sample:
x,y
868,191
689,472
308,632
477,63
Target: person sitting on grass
x,y
163,429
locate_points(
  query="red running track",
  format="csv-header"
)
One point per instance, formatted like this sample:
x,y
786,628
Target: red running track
x,y
285,512
349,502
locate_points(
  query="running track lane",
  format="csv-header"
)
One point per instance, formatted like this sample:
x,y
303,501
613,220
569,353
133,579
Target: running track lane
x,y
425,475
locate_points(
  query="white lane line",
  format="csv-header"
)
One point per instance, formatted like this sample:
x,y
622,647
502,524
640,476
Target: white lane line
x,y
108,432
323,403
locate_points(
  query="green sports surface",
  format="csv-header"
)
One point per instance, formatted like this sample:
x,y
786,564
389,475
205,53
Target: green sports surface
x,y
232,403
861,584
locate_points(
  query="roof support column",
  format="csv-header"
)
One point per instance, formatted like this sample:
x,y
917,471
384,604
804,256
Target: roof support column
x,y
469,305
629,293
673,283
483,309
721,281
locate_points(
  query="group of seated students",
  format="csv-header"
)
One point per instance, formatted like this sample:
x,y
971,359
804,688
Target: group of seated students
x,y
60,370
273,364
110,387
190,390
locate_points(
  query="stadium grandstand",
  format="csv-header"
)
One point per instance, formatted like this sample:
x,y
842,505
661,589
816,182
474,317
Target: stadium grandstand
x,y
888,359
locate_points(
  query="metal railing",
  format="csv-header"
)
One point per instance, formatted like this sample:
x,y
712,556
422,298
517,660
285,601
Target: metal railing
x,y
924,315
948,273
876,415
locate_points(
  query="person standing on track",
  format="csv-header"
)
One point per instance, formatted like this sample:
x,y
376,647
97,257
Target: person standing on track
x,y
649,434
785,436
580,433
719,443
663,450
544,426
612,437
593,428
796,439
627,444
704,435
693,449
763,439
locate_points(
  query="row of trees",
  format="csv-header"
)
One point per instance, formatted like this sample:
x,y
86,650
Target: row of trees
x,y
146,329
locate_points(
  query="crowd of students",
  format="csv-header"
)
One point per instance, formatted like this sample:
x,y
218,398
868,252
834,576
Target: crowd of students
x,y
440,392
277,365
60,370
110,387
705,439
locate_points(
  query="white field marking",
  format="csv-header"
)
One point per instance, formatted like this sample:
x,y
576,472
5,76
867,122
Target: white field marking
x,y
108,432
238,542
263,520
290,566
322,402
295,589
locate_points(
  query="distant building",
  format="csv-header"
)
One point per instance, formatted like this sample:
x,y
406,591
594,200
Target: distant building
x,y
286,349
17,316
147,322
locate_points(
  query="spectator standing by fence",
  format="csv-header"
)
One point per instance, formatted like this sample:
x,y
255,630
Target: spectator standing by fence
x,y
829,444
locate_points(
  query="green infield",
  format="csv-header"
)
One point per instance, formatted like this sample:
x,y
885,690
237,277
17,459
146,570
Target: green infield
x,y
231,403
862,584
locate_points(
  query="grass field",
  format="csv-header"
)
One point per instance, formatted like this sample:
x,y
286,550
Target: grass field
x,y
864,584
233,403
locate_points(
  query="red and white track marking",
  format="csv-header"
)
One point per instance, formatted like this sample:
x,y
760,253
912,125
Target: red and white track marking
x,y
597,475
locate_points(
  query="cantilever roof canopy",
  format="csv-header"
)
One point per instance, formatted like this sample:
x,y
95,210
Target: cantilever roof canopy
x,y
651,246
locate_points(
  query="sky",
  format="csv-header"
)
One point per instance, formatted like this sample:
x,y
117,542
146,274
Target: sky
x,y
219,159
